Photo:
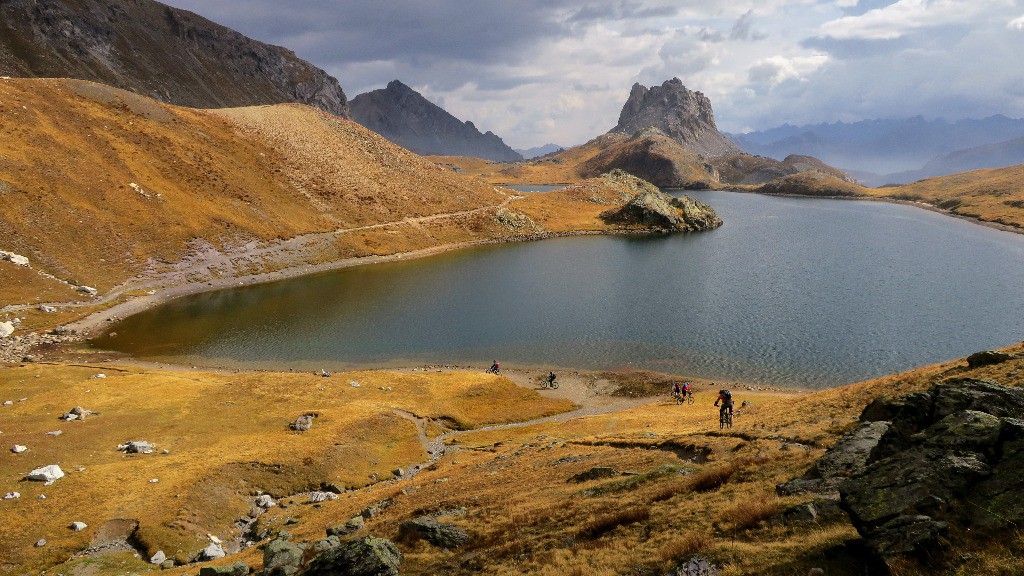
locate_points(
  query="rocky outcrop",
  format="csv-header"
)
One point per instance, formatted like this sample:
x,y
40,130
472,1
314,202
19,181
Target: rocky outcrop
x,y
811,184
440,534
655,209
652,155
949,461
363,557
406,118
684,116
168,54
749,170
846,458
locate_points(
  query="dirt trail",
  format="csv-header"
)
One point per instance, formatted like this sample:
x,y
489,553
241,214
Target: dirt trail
x,y
591,398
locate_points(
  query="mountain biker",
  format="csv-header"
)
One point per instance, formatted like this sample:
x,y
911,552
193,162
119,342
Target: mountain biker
x,y
495,367
725,397
551,379
687,389
676,389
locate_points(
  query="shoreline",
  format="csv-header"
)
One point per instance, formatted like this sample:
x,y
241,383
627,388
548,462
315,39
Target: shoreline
x,y
86,327
95,323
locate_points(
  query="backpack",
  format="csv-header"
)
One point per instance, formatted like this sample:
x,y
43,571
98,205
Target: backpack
x,y
727,396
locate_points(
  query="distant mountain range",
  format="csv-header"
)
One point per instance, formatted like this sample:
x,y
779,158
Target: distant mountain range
x,y
405,117
871,148
165,53
537,151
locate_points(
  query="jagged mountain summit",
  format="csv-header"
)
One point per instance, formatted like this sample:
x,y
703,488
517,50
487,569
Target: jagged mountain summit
x,y
683,115
165,53
405,117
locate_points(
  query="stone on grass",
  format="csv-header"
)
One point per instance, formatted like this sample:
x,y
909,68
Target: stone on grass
x,y
441,534
14,258
363,557
302,423
40,543
265,501
695,566
47,309
212,552
347,528
987,358
78,526
6,329
88,290
236,569
318,497
12,495
282,557
595,473
158,558
18,449
46,474
136,447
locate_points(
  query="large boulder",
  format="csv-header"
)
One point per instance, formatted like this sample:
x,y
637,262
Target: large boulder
x,y
282,557
949,461
441,534
364,557
46,474
847,457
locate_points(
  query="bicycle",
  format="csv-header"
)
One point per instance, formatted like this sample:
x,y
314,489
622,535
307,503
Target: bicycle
x,y
552,384
724,419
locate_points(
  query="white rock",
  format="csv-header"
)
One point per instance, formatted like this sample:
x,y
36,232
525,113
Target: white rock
x,y
137,447
265,501
88,290
55,433
12,496
317,497
9,403
154,480
18,449
354,384
14,258
40,543
214,539
6,329
158,558
46,474
78,526
41,497
47,309
101,375
213,552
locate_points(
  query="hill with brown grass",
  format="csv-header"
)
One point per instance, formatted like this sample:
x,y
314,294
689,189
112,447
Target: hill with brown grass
x,y
165,53
628,488
994,195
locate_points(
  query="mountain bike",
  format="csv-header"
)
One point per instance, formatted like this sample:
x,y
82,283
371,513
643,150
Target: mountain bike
x,y
724,419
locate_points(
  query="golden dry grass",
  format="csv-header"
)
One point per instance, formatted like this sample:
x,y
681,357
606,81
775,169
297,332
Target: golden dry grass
x,y
227,437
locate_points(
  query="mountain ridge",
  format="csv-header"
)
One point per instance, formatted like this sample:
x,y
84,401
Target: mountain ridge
x,y
405,117
169,54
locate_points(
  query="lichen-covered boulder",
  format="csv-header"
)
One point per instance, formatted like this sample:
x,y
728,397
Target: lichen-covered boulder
x,y
441,534
657,210
364,557
282,557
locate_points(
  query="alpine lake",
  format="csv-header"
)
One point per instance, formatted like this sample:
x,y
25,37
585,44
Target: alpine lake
x,y
790,291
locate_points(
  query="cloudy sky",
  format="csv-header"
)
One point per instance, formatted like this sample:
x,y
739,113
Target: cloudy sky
x,y
538,71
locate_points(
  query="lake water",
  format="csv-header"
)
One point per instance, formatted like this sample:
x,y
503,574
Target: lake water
x,y
805,292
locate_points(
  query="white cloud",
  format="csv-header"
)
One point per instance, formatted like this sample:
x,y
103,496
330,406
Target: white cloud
x,y
897,19
774,70
1016,23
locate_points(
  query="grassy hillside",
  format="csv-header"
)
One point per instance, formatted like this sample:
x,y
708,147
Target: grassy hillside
x,y
992,195
680,485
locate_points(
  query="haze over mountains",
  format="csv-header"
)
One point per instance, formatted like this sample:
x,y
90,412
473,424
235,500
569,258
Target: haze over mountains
x,y
896,151
165,53
405,117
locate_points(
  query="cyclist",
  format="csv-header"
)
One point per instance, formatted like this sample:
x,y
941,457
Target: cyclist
x,y
725,397
687,389
551,379
677,390
495,368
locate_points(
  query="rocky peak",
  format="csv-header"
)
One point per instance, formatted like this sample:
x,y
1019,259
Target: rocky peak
x,y
683,115
165,53
405,117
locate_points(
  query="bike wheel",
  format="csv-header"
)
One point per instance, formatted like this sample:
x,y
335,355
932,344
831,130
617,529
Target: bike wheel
x,y
689,398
